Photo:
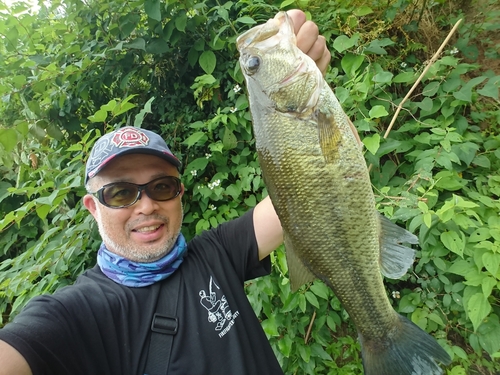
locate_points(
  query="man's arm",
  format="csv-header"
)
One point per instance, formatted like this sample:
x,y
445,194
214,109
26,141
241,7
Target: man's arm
x,y
267,226
12,362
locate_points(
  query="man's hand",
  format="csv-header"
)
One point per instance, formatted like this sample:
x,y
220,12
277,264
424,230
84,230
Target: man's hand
x,y
308,39
311,43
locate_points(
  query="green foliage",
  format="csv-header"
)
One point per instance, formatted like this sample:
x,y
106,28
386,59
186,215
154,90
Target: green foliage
x,y
75,70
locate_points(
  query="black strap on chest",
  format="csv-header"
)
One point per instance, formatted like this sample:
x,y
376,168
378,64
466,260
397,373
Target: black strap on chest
x,y
164,326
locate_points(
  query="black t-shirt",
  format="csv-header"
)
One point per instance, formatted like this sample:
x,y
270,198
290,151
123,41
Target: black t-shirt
x,y
97,326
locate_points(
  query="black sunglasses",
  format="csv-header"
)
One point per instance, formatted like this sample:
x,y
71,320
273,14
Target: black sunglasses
x,y
124,194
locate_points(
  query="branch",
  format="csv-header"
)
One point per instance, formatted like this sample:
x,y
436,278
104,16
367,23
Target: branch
x,y
432,60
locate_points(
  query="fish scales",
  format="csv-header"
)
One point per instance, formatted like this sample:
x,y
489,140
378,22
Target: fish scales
x,y
319,184
328,252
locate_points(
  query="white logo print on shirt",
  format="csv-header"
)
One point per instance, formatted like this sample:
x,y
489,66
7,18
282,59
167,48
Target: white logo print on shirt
x,y
217,307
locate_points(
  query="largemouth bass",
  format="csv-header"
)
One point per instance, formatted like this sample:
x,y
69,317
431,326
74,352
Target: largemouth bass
x,y
319,184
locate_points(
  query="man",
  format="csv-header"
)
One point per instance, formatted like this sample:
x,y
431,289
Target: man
x,y
101,324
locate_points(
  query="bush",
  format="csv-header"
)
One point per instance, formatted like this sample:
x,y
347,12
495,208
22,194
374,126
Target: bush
x,y
173,68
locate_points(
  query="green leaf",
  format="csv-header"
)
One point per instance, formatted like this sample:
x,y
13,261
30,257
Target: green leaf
x,y
197,137
270,327
431,89
343,42
247,20
363,10
312,299
377,46
487,285
318,351
478,309
198,164
19,81
153,10
8,138
208,61
436,319
491,88
489,334
320,289
383,77
426,104
137,43
193,56
480,234
464,94
305,353
157,46
55,132
372,143
229,140
139,118
460,267
286,3
491,262
461,354
378,111
181,21
285,346
250,201
99,116
122,108
405,77
350,63
453,242
42,210
482,161
302,302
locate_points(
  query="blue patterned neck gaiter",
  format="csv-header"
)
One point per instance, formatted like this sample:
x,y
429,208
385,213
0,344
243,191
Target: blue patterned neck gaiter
x,y
134,274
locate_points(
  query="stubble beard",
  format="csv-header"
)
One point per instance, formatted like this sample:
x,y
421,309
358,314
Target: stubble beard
x,y
144,253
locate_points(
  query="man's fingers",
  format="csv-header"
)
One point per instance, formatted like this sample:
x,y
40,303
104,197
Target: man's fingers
x,y
298,17
325,58
307,37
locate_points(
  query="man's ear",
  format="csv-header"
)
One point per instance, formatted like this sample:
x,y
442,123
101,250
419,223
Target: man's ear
x,y
90,203
182,190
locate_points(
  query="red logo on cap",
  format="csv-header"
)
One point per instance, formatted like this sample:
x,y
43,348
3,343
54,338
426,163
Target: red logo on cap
x,y
130,137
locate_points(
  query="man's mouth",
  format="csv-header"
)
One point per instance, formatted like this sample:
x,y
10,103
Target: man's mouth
x,y
150,228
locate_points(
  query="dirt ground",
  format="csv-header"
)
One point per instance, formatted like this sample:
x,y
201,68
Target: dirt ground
x,y
478,12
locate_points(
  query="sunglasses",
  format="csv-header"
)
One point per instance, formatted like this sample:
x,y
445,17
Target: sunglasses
x,y
124,194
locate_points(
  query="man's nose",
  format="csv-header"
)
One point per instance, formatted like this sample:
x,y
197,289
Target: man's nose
x,y
145,205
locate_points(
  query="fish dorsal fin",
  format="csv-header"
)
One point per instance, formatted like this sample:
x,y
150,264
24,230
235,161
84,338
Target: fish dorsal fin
x,y
395,258
298,273
329,136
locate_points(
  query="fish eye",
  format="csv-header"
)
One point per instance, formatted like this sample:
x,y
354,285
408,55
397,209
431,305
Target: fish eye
x,y
253,64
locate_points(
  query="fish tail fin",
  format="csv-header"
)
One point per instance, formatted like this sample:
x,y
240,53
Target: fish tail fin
x,y
408,350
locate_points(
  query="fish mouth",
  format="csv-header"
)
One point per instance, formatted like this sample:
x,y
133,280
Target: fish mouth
x,y
267,35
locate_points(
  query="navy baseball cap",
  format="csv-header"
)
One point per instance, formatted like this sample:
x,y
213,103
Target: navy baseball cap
x,y
126,140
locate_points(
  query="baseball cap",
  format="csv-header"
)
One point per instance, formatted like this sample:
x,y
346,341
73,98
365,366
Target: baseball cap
x,y
126,140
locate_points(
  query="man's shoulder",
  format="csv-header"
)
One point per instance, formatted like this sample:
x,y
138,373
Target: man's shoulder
x,y
93,287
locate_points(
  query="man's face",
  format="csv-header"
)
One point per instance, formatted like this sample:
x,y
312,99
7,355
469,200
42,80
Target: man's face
x,y
147,230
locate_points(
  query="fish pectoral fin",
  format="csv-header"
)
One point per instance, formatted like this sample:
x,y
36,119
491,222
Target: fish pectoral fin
x,y
329,136
395,257
298,273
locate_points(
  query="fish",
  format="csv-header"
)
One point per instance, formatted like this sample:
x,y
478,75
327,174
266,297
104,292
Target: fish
x,y
318,181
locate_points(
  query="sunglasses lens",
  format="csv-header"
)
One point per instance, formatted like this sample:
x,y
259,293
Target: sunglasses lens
x,y
163,189
119,194
123,194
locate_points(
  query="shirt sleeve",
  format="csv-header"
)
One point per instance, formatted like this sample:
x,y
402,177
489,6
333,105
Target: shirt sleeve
x,y
237,239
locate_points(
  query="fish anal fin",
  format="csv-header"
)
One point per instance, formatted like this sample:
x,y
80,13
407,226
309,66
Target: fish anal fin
x,y
395,257
298,273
